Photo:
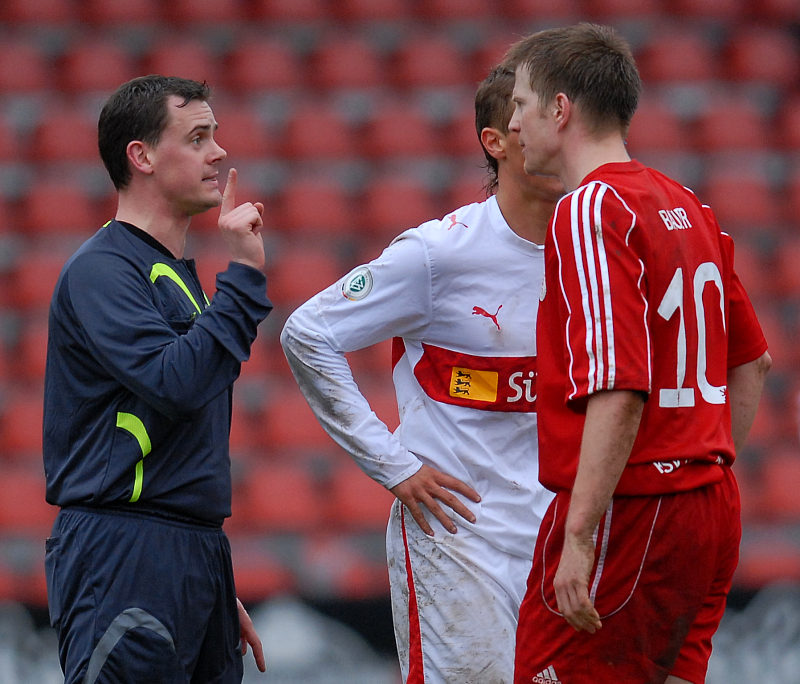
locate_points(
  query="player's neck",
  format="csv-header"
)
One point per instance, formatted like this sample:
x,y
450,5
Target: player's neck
x,y
169,229
583,156
526,215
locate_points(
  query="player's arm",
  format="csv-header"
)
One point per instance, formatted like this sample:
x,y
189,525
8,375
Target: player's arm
x,y
316,338
745,384
612,421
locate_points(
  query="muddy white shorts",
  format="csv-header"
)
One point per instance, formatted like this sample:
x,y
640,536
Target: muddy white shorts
x,y
455,602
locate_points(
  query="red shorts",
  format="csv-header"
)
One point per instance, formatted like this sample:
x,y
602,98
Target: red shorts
x,y
663,570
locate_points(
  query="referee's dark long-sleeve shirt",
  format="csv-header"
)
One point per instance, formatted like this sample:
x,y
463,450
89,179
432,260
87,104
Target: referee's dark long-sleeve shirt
x,y
138,384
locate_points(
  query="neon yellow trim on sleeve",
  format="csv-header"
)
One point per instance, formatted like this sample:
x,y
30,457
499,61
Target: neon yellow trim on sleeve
x,y
132,424
160,269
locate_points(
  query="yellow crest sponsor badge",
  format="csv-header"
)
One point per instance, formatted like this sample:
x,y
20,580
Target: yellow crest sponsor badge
x,y
478,385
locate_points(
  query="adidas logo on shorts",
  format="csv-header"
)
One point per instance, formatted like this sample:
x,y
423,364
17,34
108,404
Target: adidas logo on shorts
x,y
547,676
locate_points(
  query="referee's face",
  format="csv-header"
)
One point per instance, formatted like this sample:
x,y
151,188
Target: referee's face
x,y
186,159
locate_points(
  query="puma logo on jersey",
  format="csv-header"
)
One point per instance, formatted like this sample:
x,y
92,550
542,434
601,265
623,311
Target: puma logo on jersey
x,y
454,223
479,311
675,219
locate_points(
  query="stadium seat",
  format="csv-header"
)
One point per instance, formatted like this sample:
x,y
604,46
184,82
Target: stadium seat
x,y
316,205
99,65
21,424
787,122
259,574
727,11
30,351
242,132
355,502
742,199
427,61
399,129
454,10
279,497
781,477
373,10
518,11
459,135
616,10
37,12
673,55
102,13
10,147
731,123
65,134
345,62
34,276
317,131
290,426
205,12
300,271
332,565
262,64
296,12
184,56
392,204
759,54
59,205
24,68
468,186
785,274
656,126
23,509
778,11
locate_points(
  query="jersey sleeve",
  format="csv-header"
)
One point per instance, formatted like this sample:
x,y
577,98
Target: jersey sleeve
x,y
130,338
385,298
602,305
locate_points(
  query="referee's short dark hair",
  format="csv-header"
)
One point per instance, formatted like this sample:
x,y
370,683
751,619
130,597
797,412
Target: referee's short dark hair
x,y
137,110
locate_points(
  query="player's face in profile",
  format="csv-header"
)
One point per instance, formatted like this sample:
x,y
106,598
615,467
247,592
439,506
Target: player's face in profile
x,y
186,158
534,128
546,186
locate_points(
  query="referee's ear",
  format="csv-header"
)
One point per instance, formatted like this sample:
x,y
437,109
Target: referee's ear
x,y
138,154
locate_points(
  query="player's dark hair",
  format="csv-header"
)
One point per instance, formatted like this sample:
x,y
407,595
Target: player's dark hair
x,y
593,65
493,109
137,110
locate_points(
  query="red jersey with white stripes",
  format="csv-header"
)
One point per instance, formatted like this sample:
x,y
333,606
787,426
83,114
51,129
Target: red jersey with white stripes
x,y
640,294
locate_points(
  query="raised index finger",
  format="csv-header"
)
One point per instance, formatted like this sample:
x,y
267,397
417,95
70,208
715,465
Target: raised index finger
x,y
229,194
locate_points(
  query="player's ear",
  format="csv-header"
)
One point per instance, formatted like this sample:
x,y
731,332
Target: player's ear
x,y
138,154
494,142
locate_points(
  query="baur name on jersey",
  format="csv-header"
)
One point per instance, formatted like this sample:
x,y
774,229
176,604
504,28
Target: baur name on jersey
x,y
675,219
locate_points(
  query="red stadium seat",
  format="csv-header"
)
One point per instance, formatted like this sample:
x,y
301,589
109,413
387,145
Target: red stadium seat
x,y
742,200
373,10
10,147
131,12
34,276
211,12
31,350
467,187
781,476
317,131
297,11
731,123
428,61
345,62
717,10
279,497
99,65
399,129
355,501
301,270
779,11
23,509
540,10
315,206
259,574
65,134
656,126
262,63
242,132
677,55
21,423
767,559
608,10
183,56
762,55
333,566
24,67
58,206
455,10
37,11
393,204
788,122
459,135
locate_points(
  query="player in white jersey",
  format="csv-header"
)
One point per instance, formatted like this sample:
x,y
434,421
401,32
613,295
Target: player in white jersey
x,y
459,297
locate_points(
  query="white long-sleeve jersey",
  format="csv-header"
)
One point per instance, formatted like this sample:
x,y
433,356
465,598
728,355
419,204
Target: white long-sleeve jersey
x,y
459,296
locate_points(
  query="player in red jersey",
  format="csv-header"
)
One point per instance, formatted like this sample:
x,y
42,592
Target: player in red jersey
x,y
651,364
